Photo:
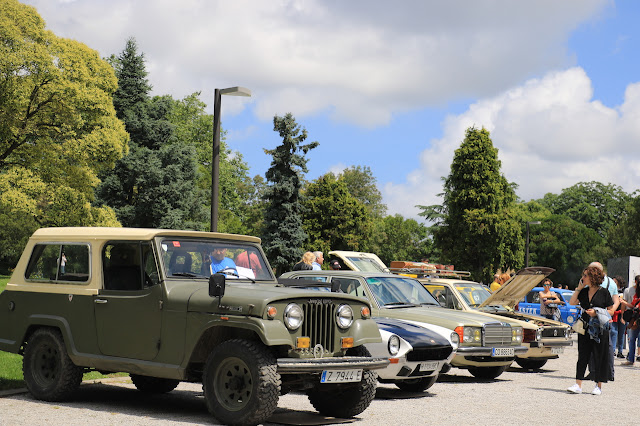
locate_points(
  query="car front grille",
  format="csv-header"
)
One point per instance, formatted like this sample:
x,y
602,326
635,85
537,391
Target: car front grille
x,y
319,324
553,332
497,334
429,354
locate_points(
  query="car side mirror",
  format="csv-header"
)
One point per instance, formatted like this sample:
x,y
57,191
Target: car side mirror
x,y
217,284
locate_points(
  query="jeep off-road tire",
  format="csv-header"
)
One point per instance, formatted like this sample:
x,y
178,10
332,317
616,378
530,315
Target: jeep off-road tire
x,y
531,363
487,373
416,385
240,382
48,371
156,385
345,399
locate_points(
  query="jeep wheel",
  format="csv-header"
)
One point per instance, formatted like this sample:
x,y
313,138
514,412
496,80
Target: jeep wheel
x,y
241,385
531,363
148,384
487,373
416,385
346,399
48,371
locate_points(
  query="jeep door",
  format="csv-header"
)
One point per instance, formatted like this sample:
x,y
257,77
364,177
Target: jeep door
x,y
128,310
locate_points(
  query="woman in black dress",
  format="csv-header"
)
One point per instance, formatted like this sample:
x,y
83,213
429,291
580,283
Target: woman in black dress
x,y
590,296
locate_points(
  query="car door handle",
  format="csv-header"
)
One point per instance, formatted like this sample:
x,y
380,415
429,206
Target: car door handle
x,y
101,301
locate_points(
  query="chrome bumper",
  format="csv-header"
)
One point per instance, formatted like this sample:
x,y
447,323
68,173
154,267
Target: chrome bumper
x,y
316,365
486,351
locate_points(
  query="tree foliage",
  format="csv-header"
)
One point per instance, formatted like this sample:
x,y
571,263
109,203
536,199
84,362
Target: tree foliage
x,y
397,238
284,235
154,186
477,228
596,205
362,185
624,237
333,218
58,129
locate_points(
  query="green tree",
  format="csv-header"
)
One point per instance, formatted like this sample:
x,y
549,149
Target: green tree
x,y
594,204
362,184
397,238
283,232
476,226
58,129
624,237
153,186
333,218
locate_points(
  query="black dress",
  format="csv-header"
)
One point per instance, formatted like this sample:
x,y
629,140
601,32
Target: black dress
x,y
587,346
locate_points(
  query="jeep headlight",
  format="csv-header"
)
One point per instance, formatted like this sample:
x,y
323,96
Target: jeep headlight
x,y
469,334
393,345
516,334
455,340
293,316
344,316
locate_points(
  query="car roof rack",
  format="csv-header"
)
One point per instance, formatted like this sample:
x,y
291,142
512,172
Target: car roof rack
x,y
424,270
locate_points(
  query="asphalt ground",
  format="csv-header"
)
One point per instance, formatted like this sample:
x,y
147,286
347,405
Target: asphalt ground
x,y
517,396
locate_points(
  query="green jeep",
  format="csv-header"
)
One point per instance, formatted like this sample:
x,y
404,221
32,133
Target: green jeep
x,y
167,306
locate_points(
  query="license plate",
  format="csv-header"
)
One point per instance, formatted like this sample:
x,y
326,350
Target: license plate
x,y
502,352
428,366
557,350
341,376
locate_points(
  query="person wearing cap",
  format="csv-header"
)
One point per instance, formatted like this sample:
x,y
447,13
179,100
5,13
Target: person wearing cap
x,y
334,265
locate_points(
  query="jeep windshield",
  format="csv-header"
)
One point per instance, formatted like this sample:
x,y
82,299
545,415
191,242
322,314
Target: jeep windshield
x,y
474,294
189,258
393,292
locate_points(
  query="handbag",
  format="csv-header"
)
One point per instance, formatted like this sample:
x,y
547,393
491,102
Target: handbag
x,y
579,326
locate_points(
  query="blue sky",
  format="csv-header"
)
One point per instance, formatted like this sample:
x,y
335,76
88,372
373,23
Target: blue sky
x,y
393,86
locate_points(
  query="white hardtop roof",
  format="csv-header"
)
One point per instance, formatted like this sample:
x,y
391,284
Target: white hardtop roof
x,y
114,233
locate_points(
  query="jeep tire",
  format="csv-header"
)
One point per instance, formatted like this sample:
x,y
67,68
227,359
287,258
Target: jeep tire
x,y
240,382
416,385
345,399
531,363
49,373
487,373
156,385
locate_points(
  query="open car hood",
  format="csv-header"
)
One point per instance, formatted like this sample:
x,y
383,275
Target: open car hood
x,y
518,286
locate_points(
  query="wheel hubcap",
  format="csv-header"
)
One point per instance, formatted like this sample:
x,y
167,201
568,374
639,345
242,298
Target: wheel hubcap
x,y
233,384
46,365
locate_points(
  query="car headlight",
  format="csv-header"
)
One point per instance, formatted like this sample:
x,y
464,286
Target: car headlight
x,y
393,345
344,316
516,334
539,334
469,334
293,316
455,340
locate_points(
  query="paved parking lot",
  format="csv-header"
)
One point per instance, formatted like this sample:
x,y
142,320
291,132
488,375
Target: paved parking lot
x,y
517,396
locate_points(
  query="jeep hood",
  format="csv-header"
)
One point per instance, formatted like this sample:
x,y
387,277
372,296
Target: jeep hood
x,y
517,287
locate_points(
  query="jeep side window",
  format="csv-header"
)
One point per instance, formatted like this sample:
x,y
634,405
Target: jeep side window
x,y
59,263
151,275
121,262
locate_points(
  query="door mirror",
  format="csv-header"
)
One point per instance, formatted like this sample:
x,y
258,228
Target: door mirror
x,y
217,285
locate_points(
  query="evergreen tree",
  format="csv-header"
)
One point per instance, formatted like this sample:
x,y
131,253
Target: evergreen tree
x,y
476,227
154,186
284,236
362,184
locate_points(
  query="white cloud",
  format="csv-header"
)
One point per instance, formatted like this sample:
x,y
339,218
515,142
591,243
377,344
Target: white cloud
x,y
550,134
362,60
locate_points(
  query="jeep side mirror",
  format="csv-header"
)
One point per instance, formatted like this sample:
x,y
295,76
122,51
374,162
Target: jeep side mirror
x,y
217,285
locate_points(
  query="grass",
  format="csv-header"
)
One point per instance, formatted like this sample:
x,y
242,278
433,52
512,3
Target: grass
x,y
11,364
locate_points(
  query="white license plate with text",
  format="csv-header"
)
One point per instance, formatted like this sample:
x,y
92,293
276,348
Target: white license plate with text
x,y
341,376
557,351
428,366
502,352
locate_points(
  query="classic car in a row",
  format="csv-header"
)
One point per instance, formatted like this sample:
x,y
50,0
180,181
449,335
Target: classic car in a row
x,y
530,304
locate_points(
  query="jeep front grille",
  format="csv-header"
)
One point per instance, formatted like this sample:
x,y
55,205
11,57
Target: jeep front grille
x,y
319,324
497,334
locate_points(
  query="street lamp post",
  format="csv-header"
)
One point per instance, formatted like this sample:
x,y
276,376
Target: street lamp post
x,y
215,156
526,258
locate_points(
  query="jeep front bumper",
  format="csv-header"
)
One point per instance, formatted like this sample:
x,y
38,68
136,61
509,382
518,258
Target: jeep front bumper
x,y
317,365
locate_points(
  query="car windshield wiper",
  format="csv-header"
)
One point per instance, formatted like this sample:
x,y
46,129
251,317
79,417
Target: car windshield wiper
x,y
400,304
429,304
184,274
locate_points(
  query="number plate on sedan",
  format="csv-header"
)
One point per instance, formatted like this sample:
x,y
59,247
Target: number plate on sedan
x,y
341,376
502,352
428,366
557,351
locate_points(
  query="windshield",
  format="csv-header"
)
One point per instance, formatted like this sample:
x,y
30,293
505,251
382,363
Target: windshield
x,y
399,291
473,293
201,258
365,264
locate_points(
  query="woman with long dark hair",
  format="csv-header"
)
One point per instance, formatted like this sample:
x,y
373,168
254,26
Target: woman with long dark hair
x,y
594,301
633,326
